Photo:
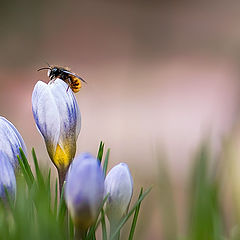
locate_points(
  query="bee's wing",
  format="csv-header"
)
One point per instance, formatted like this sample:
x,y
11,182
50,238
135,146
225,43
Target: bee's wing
x,y
75,75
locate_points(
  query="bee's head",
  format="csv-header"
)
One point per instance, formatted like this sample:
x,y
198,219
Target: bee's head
x,y
53,73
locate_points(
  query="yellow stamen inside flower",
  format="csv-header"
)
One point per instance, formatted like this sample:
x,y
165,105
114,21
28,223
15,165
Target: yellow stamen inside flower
x,y
62,157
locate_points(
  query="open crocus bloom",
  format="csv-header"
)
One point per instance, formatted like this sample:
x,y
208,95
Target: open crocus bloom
x,y
58,119
7,177
84,190
10,141
119,186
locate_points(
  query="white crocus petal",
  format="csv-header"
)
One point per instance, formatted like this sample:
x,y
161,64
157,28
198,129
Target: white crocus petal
x,y
45,113
7,177
119,186
84,190
58,119
69,113
10,141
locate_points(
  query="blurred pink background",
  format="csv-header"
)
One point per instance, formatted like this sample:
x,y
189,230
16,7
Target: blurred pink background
x,y
161,76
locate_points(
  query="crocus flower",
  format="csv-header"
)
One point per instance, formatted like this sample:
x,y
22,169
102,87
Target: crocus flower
x,y
119,186
7,177
84,190
10,141
58,119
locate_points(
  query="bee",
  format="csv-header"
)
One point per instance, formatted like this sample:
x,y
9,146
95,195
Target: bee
x,y
73,80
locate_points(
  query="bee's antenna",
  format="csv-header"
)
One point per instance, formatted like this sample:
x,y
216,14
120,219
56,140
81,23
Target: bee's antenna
x,y
44,68
47,63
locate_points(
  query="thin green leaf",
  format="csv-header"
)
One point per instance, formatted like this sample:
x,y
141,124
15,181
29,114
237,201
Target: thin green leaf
x,y
124,220
56,198
49,180
100,151
9,199
62,206
37,169
105,164
134,222
104,229
26,164
70,228
205,218
48,187
25,174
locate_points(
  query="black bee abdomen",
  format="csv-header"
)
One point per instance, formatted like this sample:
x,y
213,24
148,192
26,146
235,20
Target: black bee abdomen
x,y
63,75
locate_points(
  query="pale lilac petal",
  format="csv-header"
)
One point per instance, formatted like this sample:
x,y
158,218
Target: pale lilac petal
x,y
69,113
46,113
10,141
7,176
119,186
84,188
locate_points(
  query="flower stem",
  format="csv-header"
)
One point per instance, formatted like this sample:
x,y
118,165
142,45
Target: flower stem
x,y
61,178
113,227
80,234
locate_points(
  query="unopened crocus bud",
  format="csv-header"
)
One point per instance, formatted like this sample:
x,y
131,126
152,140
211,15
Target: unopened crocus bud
x,y
10,141
84,190
58,119
119,186
7,177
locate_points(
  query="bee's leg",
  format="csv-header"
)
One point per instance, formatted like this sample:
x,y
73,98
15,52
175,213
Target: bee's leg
x,y
69,83
52,80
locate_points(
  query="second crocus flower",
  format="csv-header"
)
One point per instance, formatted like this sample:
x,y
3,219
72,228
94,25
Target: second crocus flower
x,y
58,119
84,191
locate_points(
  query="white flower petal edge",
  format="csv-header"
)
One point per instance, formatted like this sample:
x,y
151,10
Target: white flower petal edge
x,y
119,186
10,141
69,113
45,113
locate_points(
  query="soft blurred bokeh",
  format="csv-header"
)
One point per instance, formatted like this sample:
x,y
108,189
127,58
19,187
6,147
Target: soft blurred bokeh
x,y
161,76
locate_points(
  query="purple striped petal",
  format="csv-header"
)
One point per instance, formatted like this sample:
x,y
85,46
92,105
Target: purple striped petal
x,y
7,177
10,141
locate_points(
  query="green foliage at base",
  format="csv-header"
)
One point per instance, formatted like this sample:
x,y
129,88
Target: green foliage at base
x,y
39,213
204,210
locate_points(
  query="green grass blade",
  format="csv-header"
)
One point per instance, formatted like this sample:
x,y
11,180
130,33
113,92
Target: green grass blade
x,y
124,220
9,199
134,222
56,198
104,229
62,206
37,169
70,228
25,174
48,187
26,165
100,151
49,180
105,164
205,219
